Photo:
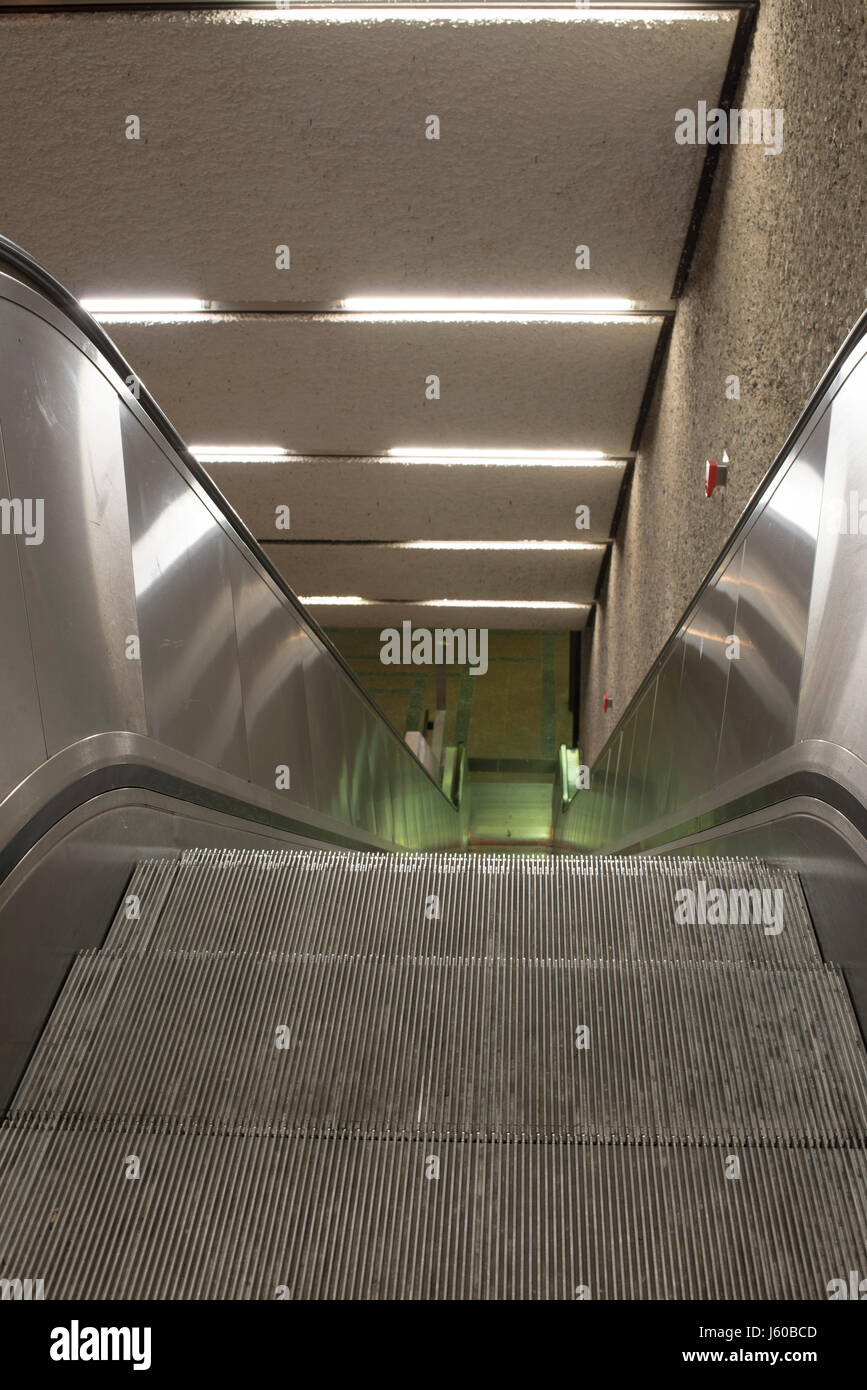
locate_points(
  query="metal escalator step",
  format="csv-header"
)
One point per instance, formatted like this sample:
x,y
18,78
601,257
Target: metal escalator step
x,y
143,903
708,1143
427,1045
343,1217
563,907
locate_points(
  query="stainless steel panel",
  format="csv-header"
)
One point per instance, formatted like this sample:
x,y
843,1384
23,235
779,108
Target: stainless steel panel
x,y
833,702
585,811
134,547
271,649
623,775
703,686
642,723
355,718
22,745
610,789
598,781
397,774
331,777
189,653
381,788
799,615
663,735
63,446
771,622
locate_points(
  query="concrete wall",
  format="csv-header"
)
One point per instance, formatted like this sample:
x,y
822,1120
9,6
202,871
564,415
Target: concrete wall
x,y
779,277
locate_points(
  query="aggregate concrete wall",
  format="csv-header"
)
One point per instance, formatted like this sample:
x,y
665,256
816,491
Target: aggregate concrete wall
x,y
779,277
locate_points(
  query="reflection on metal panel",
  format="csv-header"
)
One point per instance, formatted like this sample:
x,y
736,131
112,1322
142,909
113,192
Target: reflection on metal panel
x,y
833,698
186,620
621,799
398,803
355,755
229,671
771,623
271,647
22,745
641,721
326,732
793,593
381,796
706,665
610,786
62,441
598,782
663,735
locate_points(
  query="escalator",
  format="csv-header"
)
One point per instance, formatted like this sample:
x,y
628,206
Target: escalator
x,y
353,1076
283,1037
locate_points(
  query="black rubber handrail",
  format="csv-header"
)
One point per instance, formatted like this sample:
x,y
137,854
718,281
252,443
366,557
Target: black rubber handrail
x,y
29,270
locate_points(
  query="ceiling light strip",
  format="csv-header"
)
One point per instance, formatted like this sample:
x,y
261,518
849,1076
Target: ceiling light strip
x,y
470,304
355,601
496,545
349,11
405,309
498,458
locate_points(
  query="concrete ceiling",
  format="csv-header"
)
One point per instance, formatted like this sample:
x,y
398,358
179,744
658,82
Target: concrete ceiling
x,y
257,132
264,129
354,498
396,572
337,386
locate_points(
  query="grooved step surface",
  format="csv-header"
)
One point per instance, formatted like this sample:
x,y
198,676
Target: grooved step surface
x,y
444,1047
230,1217
553,908
497,1077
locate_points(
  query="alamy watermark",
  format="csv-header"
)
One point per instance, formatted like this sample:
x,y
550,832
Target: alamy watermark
x,y
444,646
755,907
77,1343
734,127
23,516
22,1290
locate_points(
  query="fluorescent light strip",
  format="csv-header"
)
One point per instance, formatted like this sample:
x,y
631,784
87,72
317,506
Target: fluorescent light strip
x,y
600,319
464,14
502,458
407,309
242,453
478,455
498,545
354,601
518,461
412,304
143,310
496,603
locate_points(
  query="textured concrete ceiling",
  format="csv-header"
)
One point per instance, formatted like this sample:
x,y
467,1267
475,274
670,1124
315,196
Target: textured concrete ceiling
x,y
256,133
392,572
564,618
265,130
347,499
327,385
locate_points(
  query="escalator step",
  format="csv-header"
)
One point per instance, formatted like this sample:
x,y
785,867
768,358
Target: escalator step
x,y
553,908
235,1217
423,1045
312,1073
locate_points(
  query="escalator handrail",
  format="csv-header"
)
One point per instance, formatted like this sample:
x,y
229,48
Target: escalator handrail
x,y
26,268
